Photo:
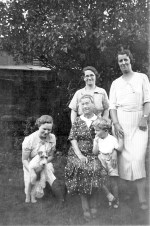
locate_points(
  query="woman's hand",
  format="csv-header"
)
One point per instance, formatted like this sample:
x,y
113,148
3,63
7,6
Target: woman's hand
x,y
83,159
118,130
114,159
143,124
95,141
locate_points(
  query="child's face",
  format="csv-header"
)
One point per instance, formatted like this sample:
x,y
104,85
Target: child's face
x,y
100,132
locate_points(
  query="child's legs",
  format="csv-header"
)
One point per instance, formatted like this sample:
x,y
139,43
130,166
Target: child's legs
x,y
113,173
103,158
106,190
114,186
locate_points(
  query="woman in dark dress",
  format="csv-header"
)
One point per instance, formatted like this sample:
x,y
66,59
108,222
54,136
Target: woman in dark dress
x,y
84,173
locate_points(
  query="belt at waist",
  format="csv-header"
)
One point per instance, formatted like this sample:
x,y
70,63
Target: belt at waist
x,y
127,108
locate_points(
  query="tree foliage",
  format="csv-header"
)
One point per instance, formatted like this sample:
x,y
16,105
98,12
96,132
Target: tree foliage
x,y
67,35
72,34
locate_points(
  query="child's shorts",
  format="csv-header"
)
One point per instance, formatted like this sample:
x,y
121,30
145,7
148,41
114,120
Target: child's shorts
x,y
106,160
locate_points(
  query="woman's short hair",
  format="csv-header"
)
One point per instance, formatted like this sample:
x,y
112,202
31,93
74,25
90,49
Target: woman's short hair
x,y
128,53
87,96
102,123
93,69
44,119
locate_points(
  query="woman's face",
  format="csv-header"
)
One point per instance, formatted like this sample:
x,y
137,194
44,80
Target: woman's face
x,y
87,106
124,63
89,77
45,130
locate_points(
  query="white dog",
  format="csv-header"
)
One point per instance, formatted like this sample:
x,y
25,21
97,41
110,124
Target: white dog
x,y
37,167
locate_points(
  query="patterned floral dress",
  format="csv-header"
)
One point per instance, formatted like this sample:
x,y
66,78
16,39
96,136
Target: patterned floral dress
x,y
82,177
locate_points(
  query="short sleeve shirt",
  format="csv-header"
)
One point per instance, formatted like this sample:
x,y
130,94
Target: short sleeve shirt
x,y
100,100
108,144
32,141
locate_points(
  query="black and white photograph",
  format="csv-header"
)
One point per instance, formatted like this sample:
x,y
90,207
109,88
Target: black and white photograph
x,y
74,112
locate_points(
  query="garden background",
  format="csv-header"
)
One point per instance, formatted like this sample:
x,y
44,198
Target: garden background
x,y
63,36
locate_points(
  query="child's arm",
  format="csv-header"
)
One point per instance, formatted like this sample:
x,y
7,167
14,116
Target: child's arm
x,y
95,146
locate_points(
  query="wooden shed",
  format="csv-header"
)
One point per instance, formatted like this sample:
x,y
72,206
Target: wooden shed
x,y
25,91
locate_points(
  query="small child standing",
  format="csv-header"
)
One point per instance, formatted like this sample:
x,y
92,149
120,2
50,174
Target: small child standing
x,y
104,145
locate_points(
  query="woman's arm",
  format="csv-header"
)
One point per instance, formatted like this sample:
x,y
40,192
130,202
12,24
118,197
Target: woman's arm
x,y
73,116
106,113
105,102
77,151
118,129
146,112
120,144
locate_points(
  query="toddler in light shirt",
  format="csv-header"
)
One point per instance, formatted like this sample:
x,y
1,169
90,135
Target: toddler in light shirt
x,y
104,145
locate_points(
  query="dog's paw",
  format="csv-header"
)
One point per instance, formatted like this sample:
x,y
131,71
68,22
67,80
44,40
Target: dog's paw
x,y
33,200
27,200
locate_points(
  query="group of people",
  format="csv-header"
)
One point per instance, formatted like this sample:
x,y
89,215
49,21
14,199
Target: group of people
x,y
108,139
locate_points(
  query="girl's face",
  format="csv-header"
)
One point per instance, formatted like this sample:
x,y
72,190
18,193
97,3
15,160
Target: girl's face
x,y
45,130
87,106
124,63
89,77
100,133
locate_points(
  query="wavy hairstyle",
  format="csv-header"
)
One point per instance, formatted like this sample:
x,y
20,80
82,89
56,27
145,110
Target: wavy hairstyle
x,y
44,119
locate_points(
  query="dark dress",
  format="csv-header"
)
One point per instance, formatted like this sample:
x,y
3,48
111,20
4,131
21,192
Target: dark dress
x,y
82,177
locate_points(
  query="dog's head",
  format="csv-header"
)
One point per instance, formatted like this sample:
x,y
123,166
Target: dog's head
x,y
43,154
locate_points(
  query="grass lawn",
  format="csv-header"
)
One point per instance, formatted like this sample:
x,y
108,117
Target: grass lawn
x,y
14,211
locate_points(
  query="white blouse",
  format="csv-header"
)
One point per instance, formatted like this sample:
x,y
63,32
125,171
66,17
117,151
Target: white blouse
x,y
130,95
88,121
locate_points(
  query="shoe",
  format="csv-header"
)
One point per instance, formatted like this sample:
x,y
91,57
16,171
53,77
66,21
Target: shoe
x,y
143,205
111,199
116,203
93,212
87,215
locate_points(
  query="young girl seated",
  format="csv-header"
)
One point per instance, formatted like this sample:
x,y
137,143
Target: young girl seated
x,y
104,145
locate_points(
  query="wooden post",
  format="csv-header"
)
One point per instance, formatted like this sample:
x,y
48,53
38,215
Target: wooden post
x,y
148,146
148,2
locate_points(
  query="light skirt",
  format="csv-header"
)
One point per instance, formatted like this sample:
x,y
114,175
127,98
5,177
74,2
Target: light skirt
x,y
132,159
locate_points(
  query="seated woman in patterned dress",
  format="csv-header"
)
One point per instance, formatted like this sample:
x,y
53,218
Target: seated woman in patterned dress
x,y
84,173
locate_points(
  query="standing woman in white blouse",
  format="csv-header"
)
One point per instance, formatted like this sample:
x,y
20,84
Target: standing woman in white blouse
x,y
129,110
99,95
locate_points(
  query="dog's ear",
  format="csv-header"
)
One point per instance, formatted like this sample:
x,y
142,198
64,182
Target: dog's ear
x,y
39,153
47,153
